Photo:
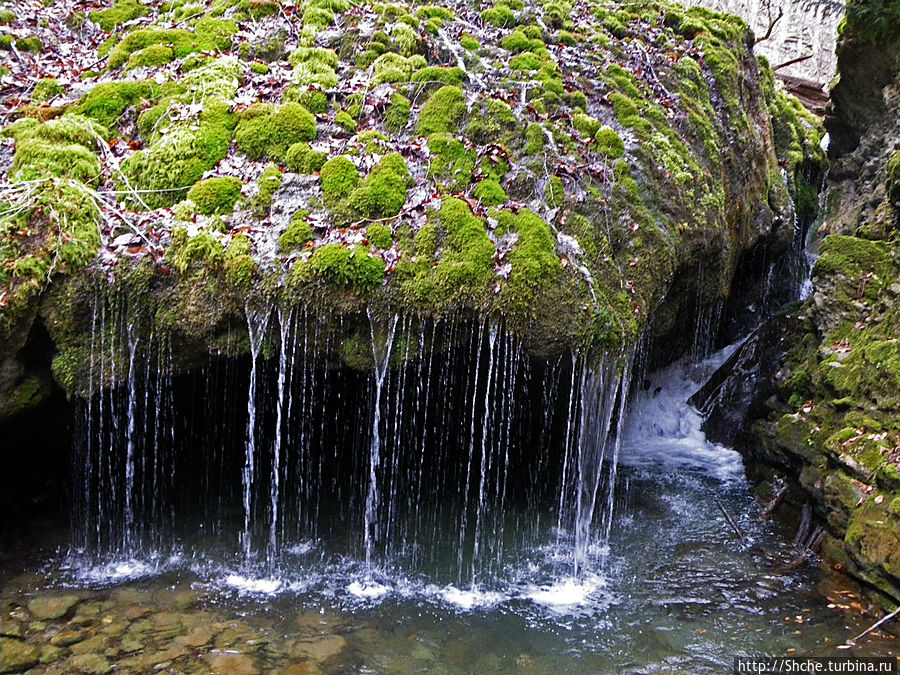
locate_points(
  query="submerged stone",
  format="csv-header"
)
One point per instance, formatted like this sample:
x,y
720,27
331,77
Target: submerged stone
x,y
52,607
16,656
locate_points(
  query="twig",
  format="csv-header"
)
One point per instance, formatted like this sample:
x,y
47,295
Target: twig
x,y
771,27
883,620
731,522
792,62
772,505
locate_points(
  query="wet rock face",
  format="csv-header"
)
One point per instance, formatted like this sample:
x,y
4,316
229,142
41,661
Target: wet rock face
x,y
832,424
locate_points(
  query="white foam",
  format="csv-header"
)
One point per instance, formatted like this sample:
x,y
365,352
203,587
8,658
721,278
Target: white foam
x,y
467,599
566,592
250,585
369,590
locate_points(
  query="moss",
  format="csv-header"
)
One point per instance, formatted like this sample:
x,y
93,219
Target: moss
x,y
181,150
435,12
526,62
450,160
492,120
586,124
397,114
469,42
534,139
349,268
314,66
238,265
443,112
383,193
7,17
6,42
303,159
380,236
215,195
314,100
121,12
106,102
269,182
259,68
181,42
317,17
298,233
185,210
215,34
451,76
345,121
152,56
46,89
64,146
200,251
265,130
490,193
609,143
555,192
390,67
516,42
854,258
31,44
498,16
339,177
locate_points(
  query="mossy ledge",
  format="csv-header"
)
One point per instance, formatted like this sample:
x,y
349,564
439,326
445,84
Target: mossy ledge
x,y
548,179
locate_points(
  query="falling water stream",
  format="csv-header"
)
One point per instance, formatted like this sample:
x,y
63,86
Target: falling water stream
x,y
429,498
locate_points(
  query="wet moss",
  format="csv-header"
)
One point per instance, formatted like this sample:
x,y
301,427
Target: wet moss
x,y
264,130
493,120
46,89
314,66
443,112
380,235
451,162
397,114
268,183
338,177
353,268
490,193
298,233
215,195
301,158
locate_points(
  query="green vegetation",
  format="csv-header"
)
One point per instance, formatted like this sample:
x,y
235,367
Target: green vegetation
x,y
215,195
298,233
265,130
303,159
443,112
122,11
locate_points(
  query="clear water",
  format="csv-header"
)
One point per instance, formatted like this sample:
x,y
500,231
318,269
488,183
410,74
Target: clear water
x,y
673,590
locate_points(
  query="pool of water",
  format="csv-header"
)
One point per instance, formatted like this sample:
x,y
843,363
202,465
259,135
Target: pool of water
x,y
672,589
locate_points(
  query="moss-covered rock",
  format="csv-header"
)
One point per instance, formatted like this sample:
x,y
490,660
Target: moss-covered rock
x,y
268,131
215,195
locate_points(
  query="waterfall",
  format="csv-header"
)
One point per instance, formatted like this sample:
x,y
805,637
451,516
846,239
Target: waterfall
x,y
256,325
444,442
382,359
